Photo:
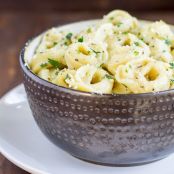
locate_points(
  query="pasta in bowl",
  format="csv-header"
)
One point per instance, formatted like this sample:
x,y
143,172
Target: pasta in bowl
x,y
96,88
126,50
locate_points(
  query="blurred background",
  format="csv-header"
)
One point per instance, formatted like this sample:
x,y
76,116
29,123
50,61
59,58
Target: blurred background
x,y
23,19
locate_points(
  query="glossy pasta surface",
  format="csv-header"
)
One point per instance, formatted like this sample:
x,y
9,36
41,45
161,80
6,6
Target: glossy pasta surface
x,y
119,54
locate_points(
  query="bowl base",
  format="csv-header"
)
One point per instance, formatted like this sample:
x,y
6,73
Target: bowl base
x,y
118,165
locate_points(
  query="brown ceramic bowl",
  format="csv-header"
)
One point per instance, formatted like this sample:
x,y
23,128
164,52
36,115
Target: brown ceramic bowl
x,y
122,130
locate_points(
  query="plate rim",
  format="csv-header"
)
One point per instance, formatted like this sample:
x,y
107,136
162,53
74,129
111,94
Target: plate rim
x,y
14,158
10,157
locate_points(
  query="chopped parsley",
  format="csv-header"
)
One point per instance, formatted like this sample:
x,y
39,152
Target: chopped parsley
x,y
55,63
171,65
80,39
43,65
137,43
125,32
68,77
55,43
171,81
167,42
56,73
66,43
108,76
119,24
89,30
69,36
96,52
136,53
140,66
130,66
68,40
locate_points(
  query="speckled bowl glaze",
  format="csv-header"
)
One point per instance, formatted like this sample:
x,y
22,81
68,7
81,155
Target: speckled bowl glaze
x,y
119,130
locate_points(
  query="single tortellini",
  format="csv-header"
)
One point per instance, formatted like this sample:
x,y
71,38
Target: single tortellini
x,y
158,30
123,48
41,60
66,78
92,79
155,77
79,54
44,74
50,39
86,35
144,75
122,21
87,78
161,51
48,74
103,32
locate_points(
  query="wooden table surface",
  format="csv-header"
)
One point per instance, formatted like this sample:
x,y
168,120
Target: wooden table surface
x,y
16,28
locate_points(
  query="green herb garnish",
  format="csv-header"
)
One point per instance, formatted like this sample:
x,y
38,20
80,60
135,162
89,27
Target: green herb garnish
x,y
66,43
43,65
125,32
67,77
80,39
96,52
137,43
56,73
55,63
168,42
89,30
136,53
171,81
69,35
171,65
119,24
55,43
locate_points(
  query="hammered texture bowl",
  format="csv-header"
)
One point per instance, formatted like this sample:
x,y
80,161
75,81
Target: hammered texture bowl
x,y
121,130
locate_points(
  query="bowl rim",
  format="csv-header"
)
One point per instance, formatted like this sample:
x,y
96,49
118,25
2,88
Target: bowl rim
x,y
48,84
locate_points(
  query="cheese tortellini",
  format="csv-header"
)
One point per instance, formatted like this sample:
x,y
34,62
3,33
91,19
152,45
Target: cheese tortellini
x,y
144,75
119,54
86,78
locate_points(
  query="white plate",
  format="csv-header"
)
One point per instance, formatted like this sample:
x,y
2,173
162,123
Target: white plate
x,y
22,142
